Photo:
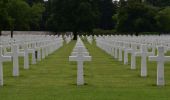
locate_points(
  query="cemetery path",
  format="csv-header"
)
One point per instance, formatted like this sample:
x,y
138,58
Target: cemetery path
x,y
54,78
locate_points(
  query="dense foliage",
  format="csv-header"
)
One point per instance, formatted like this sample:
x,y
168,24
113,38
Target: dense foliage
x,y
135,16
84,16
20,15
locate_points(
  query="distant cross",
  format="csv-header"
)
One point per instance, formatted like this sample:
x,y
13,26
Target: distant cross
x,y
120,50
132,50
126,48
26,56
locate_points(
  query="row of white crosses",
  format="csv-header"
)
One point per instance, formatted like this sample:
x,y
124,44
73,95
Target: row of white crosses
x,y
80,55
22,46
90,39
67,38
138,46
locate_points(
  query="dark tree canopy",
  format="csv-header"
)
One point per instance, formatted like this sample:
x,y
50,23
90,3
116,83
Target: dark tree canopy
x,y
107,9
31,2
3,15
19,15
73,15
159,3
136,17
83,16
163,20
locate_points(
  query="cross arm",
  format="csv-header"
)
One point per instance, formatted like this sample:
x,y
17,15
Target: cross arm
x,y
167,58
21,54
153,58
6,58
87,58
138,54
72,58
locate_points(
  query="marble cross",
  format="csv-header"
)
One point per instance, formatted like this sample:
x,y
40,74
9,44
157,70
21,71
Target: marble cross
x,y
43,52
120,50
144,54
3,59
26,56
15,53
160,59
132,51
15,56
126,48
76,53
80,58
115,52
32,51
38,49
133,57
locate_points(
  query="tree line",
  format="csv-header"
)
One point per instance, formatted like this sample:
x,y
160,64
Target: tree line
x,y
86,16
21,14
123,16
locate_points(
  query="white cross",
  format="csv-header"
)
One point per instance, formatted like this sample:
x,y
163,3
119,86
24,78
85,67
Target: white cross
x,y
32,51
115,52
144,54
126,48
2,59
133,58
160,59
80,58
15,54
120,51
38,49
132,50
43,50
26,56
76,53
76,49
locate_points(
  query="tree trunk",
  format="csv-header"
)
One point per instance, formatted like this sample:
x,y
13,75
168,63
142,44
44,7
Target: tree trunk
x,y
0,32
136,33
75,36
12,32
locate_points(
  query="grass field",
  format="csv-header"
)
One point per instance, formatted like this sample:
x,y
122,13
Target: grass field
x,y
54,78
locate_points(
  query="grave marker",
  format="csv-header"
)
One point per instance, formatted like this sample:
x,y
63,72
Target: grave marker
x,y
160,59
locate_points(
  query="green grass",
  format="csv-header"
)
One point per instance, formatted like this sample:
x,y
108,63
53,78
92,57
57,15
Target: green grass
x,y
54,78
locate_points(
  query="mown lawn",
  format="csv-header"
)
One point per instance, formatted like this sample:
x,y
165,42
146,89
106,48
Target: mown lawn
x,y
54,78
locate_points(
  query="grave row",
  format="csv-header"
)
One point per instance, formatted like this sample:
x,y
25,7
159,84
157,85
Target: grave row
x,y
80,55
67,38
144,46
38,46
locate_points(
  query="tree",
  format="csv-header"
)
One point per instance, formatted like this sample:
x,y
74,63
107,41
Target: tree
x,y
19,12
31,2
22,16
159,3
3,15
36,13
163,20
73,15
107,9
136,17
